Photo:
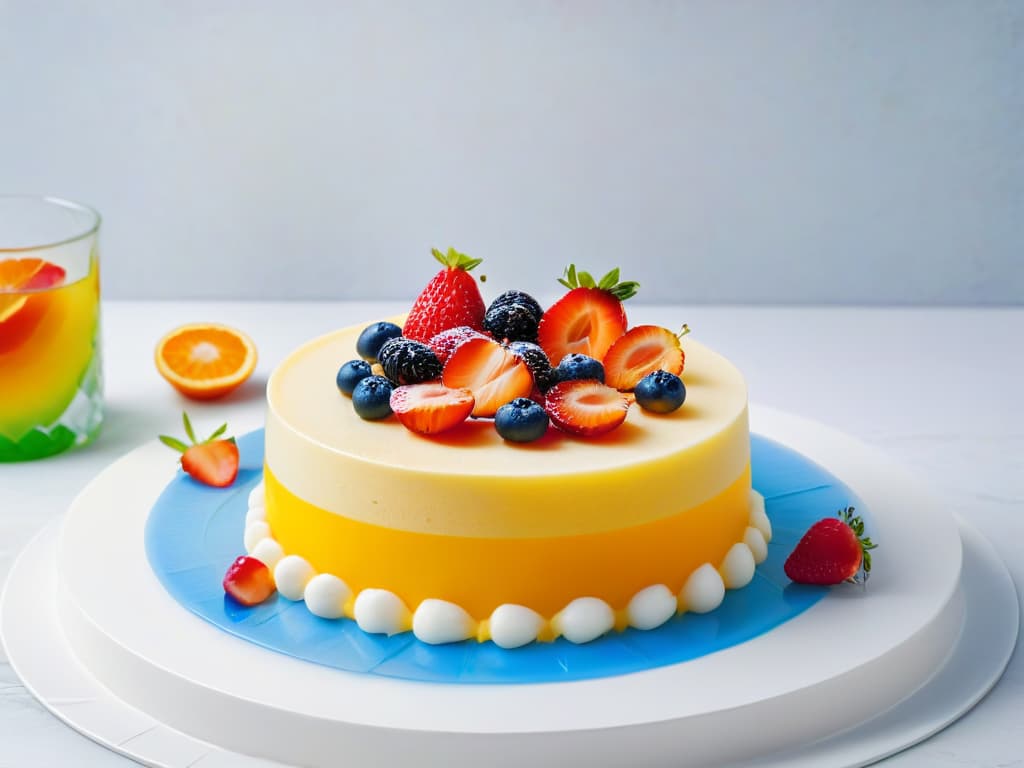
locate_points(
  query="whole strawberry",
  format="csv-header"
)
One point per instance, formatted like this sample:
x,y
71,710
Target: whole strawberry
x,y
834,550
213,461
450,299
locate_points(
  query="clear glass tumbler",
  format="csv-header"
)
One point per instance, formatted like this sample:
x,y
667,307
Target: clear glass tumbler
x,y
51,384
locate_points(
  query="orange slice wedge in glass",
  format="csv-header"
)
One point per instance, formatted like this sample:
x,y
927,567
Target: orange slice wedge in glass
x,y
18,277
205,360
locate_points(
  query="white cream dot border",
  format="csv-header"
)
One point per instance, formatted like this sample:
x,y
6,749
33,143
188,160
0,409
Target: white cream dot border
x,y
509,626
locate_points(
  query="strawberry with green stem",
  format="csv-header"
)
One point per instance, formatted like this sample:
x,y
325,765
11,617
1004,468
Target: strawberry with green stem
x,y
450,299
214,461
834,550
589,318
643,350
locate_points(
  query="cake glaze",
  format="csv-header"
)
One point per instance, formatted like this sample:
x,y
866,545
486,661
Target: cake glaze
x,y
455,527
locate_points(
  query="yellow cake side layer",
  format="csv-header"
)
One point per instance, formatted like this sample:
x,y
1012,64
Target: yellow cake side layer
x,y
481,573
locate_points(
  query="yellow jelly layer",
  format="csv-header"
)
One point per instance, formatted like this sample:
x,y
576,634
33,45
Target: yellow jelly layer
x,y
480,573
468,482
45,348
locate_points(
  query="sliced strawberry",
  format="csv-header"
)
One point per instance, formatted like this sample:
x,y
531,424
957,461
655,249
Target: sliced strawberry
x,y
431,408
494,374
832,551
212,461
586,408
643,350
446,342
588,319
249,581
450,299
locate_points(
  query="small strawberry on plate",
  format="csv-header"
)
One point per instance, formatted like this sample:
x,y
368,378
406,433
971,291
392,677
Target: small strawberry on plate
x,y
494,375
834,550
249,581
431,408
213,461
588,319
643,350
450,299
586,407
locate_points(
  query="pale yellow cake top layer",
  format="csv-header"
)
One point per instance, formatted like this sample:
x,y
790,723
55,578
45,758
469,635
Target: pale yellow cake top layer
x,y
468,481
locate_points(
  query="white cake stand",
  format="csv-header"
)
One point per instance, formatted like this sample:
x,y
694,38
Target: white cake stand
x,y
852,680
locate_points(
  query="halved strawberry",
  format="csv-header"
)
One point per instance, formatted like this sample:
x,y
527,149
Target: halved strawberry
x,y
450,299
446,342
494,374
249,581
588,319
431,407
211,462
586,408
644,349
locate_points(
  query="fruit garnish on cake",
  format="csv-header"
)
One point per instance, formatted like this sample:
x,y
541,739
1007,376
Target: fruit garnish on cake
x,y
512,353
450,299
214,461
643,350
586,407
832,551
493,373
430,408
589,318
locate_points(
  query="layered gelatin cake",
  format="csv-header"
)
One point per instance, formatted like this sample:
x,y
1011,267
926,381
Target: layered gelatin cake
x,y
464,535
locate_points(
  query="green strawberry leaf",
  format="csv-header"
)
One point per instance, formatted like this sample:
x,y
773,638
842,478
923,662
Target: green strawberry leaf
x,y
174,443
609,281
188,427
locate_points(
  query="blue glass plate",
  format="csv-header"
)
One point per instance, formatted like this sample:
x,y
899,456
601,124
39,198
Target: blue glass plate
x,y
194,532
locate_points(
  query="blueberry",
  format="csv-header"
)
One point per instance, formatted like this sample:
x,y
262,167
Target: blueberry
x,y
351,373
576,367
518,297
409,362
536,360
660,392
521,421
515,322
371,398
372,339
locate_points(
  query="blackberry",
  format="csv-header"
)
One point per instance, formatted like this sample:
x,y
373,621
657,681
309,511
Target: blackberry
x,y
408,362
518,297
536,360
515,322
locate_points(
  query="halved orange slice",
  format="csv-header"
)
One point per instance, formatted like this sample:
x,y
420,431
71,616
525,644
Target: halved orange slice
x,y
205,360
20,276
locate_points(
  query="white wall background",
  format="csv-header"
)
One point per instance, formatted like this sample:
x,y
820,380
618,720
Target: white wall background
x,y
784,151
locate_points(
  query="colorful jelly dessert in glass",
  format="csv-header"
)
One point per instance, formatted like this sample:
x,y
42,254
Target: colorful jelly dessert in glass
x,y
50,376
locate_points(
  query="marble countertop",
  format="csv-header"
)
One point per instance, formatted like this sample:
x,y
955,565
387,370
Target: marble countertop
x,y
938,390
